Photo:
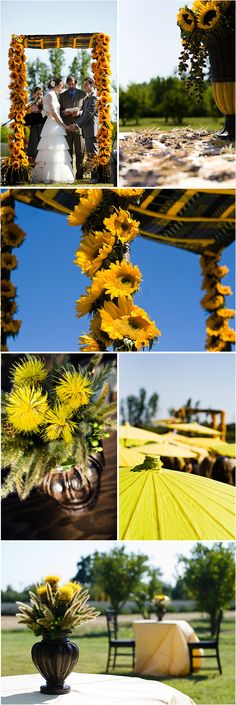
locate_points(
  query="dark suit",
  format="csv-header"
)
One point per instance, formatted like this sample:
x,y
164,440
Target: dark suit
x,y
88,121
74,139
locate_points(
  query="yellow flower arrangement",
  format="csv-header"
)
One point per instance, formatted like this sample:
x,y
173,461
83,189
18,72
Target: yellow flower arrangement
x,y
103,255
219,334
17,164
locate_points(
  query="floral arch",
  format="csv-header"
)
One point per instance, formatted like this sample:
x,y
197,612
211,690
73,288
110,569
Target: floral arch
x,y
201,222
16,165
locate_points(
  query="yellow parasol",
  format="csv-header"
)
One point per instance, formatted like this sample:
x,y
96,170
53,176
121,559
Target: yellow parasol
x,y
133,433
221,448
167,449
128,457
164,504
193,427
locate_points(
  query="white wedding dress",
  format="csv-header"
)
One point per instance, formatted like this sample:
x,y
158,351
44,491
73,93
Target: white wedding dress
x,y
53,161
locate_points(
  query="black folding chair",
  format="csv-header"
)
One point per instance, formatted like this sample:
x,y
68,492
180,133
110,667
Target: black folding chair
x,y
212,644
117,647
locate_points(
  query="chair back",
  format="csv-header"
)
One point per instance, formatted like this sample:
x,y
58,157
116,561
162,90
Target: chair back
x,y
218,621
112,626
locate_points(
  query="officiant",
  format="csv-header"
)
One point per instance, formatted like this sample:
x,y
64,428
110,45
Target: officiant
x,y
71,103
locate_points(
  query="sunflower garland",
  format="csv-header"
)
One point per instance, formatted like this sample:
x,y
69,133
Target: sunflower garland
x,y
198,26
12,236
103,255
16,166
101,71
53,418
219,334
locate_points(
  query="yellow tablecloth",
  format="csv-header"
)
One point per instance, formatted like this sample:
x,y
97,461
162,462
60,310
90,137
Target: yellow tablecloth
x,y
161,647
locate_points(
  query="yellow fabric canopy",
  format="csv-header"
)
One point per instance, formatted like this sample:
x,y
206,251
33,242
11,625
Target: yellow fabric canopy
x,y
221,448
170,505
128,457
133,433
167,449
193,427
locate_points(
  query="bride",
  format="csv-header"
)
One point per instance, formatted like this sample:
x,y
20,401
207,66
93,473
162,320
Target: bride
x,y
53,161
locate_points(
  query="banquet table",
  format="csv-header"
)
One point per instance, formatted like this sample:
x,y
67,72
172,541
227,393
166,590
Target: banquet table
x,y
87,689
161,647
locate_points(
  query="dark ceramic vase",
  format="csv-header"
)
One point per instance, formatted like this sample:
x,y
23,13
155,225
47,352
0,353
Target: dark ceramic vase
x,y
55,659
160,611
221,50
73,489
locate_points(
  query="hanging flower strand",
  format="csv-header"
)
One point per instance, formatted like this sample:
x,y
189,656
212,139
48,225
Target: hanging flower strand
x,y
103,255
219,334
16,166
101,71
12,236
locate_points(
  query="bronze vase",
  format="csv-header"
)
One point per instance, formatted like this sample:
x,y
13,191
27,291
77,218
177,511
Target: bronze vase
x,y
55,659
160,611
221,50
74,489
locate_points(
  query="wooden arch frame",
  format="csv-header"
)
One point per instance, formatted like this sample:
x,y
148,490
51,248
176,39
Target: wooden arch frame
x,y
16,166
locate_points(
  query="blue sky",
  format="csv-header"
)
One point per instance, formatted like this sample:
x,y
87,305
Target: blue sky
x,y
149,39
54,17
208,377
48,284
24,563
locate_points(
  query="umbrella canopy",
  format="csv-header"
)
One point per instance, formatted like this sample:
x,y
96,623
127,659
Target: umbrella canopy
x,y
165,449
128,457
227,449
169,505
132,433
193,427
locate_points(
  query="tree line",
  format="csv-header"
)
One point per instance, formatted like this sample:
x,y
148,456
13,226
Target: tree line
x,y
119,576
166,98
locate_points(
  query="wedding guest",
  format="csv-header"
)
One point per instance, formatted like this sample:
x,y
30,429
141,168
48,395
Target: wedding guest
x,y
35,120
88,121
71,103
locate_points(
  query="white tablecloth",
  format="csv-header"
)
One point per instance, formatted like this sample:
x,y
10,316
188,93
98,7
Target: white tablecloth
x,y
92,689
161,647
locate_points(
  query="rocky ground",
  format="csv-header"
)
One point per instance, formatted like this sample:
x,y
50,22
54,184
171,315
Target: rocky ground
x,y
182,158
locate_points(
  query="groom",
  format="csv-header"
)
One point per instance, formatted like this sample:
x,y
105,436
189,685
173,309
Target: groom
x,y
88,121
71,103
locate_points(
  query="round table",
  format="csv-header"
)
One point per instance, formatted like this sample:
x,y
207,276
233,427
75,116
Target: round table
x,y
87,689
161,647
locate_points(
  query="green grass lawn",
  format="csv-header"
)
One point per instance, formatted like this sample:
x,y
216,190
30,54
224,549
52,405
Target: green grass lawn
x,y
207,123
205,687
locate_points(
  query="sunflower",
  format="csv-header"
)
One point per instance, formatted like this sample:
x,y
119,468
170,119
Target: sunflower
x,y
226,312
85,303
122,279
228,335
94,248
31,371
125,321
8,261
59,424
12,327
87,204
26,408
128,192
225,290
211,301
14,235
89,344
208,15
122,224
73,389
186,19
